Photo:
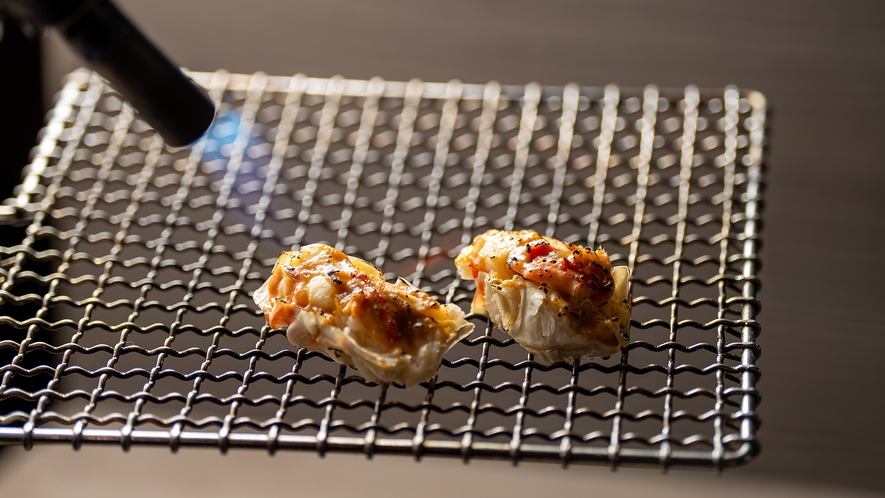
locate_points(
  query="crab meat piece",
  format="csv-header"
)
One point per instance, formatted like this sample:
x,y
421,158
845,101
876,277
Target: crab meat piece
x,y
343,307
559,301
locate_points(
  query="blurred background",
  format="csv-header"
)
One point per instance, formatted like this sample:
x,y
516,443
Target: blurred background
x,y
821,65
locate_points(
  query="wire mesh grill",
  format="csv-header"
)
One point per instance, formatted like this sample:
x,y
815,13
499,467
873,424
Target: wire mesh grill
x,y
127,304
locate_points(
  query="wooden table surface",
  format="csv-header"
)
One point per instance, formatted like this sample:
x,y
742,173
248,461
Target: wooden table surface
x,y
822,67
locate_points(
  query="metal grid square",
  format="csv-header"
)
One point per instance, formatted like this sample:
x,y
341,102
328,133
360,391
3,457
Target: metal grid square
x,y
134,278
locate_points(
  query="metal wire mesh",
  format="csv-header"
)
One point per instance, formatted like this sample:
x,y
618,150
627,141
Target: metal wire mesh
x,y
135,272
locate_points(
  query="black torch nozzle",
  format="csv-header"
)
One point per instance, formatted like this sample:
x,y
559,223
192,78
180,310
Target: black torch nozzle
x,y
162,94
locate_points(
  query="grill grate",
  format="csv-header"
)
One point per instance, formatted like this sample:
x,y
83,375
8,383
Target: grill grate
x,y
127,303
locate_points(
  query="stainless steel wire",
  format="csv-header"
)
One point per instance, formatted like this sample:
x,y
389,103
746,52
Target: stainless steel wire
x,y
144,260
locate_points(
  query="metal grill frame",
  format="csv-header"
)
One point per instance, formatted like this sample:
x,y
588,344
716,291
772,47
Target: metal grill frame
x,y
739,156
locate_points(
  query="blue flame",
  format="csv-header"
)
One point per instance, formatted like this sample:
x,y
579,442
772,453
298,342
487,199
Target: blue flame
x,y
251,170
222,135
